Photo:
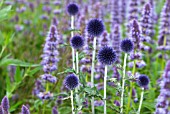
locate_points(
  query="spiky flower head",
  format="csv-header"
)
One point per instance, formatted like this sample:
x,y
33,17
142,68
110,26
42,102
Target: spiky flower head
x,y
95,27
126,45
106,55
25,110
5,104
77,42
71,81
143,80
72,9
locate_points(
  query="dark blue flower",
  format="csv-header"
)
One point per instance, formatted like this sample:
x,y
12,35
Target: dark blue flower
x,y
71,81
107,55
77,42
143,80
126,45
95,27
72,9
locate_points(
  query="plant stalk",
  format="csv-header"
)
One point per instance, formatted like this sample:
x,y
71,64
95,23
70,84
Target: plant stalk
x,y
105,84
72,103
141,100
92,72
123,83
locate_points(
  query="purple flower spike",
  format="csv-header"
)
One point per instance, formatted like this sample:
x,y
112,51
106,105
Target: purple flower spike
x,y
25,110
5,104
54,110
162,106
1,110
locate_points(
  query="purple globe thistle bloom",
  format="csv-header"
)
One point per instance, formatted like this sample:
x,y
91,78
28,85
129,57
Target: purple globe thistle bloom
x,y
115,12
106,55
54,110
72,9
95,27
126,45
25,110
164,23
71,81
115,37
1,110
143,80
5,104
163,103
77,42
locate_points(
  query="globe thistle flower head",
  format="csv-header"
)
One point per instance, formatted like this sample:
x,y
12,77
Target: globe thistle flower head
x,y
126,45
107,55
77,42
5,104
25,110
72,9
71,81
95,27
143,80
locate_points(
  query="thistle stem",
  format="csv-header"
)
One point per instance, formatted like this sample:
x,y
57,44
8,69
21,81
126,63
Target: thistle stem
x,y
72,34
105,84
141,100
92,72
72,103
123,83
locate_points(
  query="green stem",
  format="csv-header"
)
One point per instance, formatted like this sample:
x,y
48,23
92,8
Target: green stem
x,y
141,100
72,103
131,87
92,72
105,84
72,34
2,51
123,83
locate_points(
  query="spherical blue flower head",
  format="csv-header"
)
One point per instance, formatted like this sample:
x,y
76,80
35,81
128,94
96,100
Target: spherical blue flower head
x,y
126,45
95,27
143,80
77,42
107,55
71,81
72,9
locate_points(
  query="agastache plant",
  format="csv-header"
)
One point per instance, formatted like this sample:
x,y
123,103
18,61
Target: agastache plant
x,y
5,105
95,28
106,56
163,100
25,110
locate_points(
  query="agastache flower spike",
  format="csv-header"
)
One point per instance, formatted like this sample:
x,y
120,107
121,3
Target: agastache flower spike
x,y
25,110
1,110
163,99
5,104
115,12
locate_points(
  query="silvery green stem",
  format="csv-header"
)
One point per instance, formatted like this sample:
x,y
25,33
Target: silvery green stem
x,y
72,34
123,83
72,103
105,84
92,72
141,100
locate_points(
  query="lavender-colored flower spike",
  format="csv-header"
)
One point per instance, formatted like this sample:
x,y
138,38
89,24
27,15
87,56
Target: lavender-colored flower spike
x,y
147,21
135,34
123,8
54,110
164,24
5,104
1,110
163,102
115,12
115,36
133,10
25,110
50,54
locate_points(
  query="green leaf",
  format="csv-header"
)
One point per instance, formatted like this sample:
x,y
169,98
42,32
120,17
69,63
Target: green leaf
x,y
18,77
35,70
4,12
16,62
